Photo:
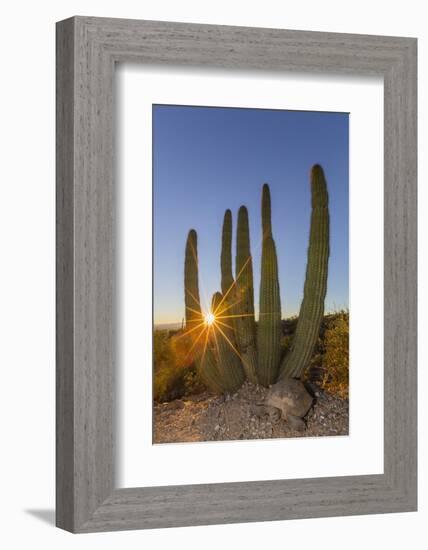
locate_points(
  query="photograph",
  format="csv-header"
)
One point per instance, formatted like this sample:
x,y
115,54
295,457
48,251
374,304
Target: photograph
x,y
210,267
251,269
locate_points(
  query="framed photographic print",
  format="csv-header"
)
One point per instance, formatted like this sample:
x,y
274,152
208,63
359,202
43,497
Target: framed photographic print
x,y
236,274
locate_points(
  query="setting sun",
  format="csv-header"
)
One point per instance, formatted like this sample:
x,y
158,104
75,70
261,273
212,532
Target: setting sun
x,y
209,318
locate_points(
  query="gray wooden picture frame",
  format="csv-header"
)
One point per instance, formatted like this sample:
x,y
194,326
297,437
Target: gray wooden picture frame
x,y
87,50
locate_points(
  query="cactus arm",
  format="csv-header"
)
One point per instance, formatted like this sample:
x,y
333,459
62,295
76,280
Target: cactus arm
x,y
269,327
228,287
245,324
312,306
193,313
227,282
266,211
228,361
209,372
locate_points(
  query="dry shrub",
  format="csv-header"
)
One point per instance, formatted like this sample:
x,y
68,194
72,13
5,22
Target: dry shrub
x,y
334,355
174,374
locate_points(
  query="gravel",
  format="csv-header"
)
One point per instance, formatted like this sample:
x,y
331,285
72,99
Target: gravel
x,y
232,417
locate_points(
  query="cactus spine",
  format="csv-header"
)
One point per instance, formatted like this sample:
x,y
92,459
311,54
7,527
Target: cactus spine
x,y
228,363
312,306
269,327
245,323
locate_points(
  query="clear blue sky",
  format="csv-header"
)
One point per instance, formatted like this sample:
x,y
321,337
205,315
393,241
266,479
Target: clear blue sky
x,y
206,160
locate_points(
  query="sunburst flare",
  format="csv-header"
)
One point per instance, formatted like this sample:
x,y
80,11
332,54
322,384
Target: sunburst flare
x,y
210,318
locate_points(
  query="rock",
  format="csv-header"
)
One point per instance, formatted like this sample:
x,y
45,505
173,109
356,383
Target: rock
x,y
296,423
290,397
260,410
274,415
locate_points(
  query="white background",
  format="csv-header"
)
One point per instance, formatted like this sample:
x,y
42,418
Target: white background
x,y
27,273
139,87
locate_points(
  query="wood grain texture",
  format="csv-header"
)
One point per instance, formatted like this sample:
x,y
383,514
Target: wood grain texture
x,y
87,49
64,276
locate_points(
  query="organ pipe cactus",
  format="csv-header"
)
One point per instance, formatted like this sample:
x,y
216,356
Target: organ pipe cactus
x,y
312,306
233,335
269,326
245,320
